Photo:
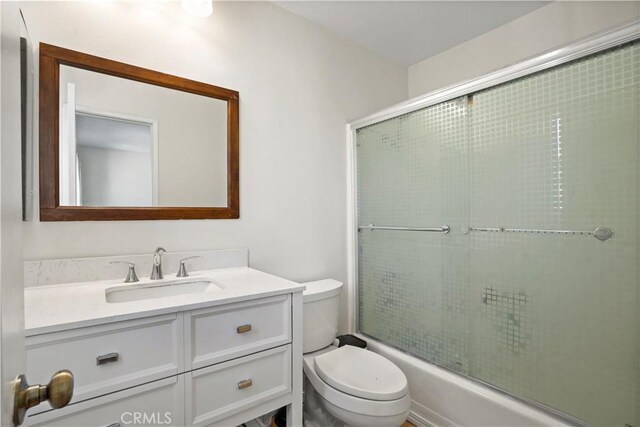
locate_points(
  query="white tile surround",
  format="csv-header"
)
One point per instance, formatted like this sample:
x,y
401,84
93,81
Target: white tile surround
x,y
72,270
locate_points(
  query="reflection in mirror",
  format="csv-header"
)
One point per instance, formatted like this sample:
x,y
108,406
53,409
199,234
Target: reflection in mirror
x,y
114,163
125,143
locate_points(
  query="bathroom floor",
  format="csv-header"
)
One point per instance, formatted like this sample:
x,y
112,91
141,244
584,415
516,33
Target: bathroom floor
x,y
405,424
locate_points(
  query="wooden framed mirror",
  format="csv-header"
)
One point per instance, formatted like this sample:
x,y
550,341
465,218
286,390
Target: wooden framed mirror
x,y
121,142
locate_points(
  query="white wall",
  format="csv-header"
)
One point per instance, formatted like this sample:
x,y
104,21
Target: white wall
x,y
545,29
299,85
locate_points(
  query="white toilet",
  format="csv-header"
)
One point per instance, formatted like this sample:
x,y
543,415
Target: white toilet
x,y
346,386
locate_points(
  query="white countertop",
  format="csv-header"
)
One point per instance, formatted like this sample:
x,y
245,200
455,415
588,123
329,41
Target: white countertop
x,y
55,308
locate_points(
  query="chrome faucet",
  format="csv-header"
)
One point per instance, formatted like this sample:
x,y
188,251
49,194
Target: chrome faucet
x,y
156,272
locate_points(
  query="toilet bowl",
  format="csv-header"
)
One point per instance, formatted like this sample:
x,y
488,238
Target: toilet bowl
x,y
345,386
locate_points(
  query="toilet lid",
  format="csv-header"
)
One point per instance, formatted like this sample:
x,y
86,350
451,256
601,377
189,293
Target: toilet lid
x,y
361,373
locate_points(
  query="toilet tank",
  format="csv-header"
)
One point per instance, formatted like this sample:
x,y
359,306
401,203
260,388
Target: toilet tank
x,y
320,314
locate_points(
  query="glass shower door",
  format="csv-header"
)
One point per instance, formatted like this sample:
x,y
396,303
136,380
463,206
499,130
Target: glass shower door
x,y
413,285
555,316
520,294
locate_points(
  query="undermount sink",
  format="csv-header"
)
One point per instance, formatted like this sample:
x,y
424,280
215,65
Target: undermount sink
x,y
162,289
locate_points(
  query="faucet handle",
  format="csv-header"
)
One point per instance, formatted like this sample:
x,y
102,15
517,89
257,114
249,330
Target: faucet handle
x,y
132,277
182,271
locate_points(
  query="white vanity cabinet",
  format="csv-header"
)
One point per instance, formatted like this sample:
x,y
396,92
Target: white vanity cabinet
x,y
108,358
156,403
218,392
220,365
225,332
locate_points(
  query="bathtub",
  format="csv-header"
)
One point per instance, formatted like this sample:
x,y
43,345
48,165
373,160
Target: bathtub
x,y
442,398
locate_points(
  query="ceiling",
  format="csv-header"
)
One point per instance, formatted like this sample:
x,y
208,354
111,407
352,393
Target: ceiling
x,y
406,32
112,134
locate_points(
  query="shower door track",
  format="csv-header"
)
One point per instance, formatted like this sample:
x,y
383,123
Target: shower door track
x,y
616,36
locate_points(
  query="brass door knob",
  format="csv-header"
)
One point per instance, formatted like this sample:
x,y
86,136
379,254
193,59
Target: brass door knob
x,y
58,392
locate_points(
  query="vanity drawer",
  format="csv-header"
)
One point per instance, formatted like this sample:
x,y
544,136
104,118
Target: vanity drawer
x,y
226,332
218,392
158,403
108,358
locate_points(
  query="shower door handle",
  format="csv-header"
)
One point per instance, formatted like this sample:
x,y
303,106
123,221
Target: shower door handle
x,y
442,229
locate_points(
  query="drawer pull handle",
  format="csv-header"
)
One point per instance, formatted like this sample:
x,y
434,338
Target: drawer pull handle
x,y
245,383
107,358
244,328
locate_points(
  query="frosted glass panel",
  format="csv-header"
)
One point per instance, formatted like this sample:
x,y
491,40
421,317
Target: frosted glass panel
x,y
413,171
551,318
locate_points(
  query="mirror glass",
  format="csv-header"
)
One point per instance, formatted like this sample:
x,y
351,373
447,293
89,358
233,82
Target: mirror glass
x,y
125,143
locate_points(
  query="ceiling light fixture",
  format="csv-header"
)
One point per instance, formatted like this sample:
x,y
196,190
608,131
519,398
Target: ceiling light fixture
x,y
199,8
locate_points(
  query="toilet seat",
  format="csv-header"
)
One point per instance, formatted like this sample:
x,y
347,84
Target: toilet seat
x,y
349,402
361,373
